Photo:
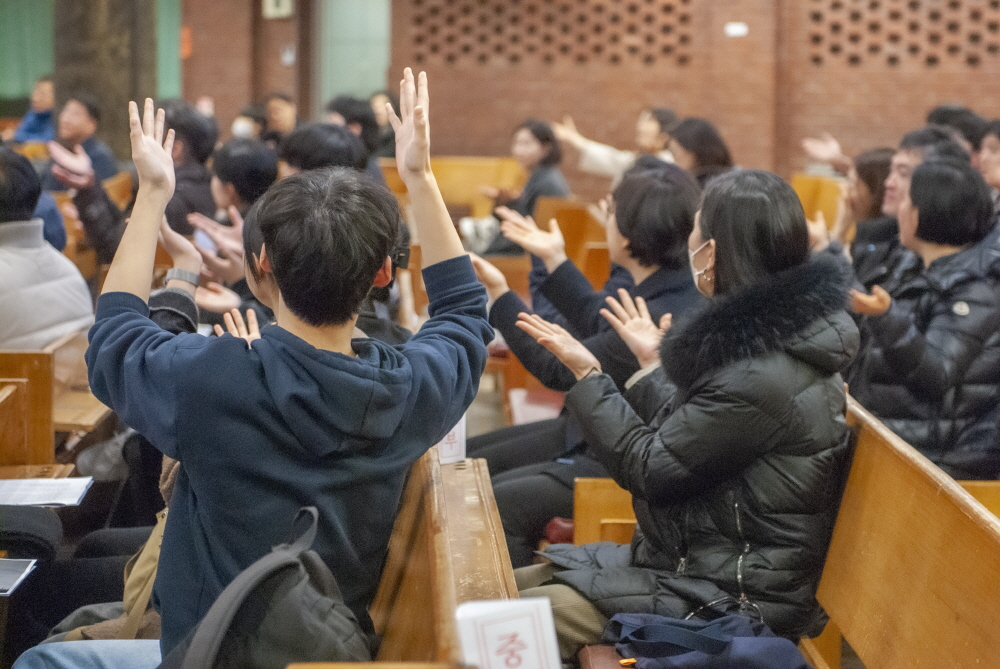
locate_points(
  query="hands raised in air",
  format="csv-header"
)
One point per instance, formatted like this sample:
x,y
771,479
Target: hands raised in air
x,y
560,343
236,327
523,231
490,276
413,156
632,322
151,148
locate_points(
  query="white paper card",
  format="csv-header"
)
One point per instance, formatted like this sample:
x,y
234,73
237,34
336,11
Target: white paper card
x,y
508,634
452,447
44,492
12,572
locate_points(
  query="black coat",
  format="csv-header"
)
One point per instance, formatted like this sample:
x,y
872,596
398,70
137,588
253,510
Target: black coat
x,y
933,372
734,453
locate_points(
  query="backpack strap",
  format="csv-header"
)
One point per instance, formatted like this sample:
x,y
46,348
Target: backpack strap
x,y
213,627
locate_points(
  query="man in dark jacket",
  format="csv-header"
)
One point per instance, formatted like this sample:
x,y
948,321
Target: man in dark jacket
x,y
78,122
933,371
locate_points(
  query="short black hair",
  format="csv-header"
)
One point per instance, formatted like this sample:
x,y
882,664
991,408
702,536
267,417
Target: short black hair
x,y
654,211
327,233
758,226
356,110
934,140
198,132
317,145
255,112
20,187
666,118
89,102
873,168
542,131
278,96
251,166
699,137
968,123
953,203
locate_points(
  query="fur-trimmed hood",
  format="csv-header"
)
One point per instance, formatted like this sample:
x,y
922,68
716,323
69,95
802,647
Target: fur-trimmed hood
x,y
800,311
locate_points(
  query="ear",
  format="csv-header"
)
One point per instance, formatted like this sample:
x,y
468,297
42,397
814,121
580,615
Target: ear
x,y
231,196
263,262
711,254
178,151
355,128
384,276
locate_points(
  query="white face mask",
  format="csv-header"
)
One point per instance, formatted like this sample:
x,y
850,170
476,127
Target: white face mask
x,y
242,127
691,255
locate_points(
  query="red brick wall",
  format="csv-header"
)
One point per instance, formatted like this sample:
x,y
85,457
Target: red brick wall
x,y
493,63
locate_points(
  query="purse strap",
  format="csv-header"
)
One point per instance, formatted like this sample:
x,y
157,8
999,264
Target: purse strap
x,y
667,640
134,615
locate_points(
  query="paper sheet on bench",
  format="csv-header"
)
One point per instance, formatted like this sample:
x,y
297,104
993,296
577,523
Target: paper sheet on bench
x,y
452,447
12,572
508,634
44,492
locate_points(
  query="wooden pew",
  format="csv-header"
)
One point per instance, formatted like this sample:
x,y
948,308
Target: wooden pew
x,y
460,177
14,418
447,547
33,151
986,493
818,194
602,511
77,248
57,397
119,189
912,577
577,224
596,263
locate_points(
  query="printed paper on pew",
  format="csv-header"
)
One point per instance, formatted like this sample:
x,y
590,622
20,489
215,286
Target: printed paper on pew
x,y
12,572
45,492
508,634
452,447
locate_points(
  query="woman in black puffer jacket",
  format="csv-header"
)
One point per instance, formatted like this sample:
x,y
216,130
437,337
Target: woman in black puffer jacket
x,y
933,371
735,450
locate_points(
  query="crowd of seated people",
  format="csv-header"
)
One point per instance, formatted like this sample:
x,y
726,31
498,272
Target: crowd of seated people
x,y
706,377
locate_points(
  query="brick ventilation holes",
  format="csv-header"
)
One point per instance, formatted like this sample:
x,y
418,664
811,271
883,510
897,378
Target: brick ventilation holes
x,y
925,32
480,32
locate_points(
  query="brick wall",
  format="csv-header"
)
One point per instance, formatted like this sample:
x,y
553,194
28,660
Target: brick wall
x,y
493,63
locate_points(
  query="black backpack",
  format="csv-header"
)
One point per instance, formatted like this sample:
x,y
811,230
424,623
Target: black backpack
x,y
286,607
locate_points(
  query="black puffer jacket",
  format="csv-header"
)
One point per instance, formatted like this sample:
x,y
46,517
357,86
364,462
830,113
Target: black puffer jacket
x,y
933,372
735,463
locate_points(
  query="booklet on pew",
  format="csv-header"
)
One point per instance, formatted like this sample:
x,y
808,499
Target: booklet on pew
x,y
44,492
452,447
508,634
12,572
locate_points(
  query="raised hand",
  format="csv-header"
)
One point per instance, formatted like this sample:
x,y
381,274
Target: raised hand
x,y
492,278
217,298
549,246
227,268
179,248
151,148
560,343
228,239
632,322
236,327
875,304
413,157
567,132
72,168
819,234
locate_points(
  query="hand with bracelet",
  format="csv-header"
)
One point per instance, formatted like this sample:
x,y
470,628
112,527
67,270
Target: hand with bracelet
x,y
186,271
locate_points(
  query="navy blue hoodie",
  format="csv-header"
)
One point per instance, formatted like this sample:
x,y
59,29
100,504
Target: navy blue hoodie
x,y
264,430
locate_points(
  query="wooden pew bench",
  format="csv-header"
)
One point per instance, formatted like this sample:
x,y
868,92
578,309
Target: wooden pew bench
x,y
912,577
447,547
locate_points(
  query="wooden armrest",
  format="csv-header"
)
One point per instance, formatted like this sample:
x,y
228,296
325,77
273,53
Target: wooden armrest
x,y
78,411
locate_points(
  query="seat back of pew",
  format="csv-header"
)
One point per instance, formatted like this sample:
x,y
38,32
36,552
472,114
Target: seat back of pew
x,y
33,372
13,419
33,151
119,189
596,263
77,249
912,577
447,547
576,222
602,511
818,194
460,178
515,269
986,493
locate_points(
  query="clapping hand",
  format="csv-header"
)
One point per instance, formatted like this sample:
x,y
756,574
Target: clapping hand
x,y
413,156
236,327
560,343
875,304
216,298
151,148
490,276
632,322
523,231
179,248
72,168
227,265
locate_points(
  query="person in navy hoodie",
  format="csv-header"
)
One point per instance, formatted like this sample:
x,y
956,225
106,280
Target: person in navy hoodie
x,y
298,413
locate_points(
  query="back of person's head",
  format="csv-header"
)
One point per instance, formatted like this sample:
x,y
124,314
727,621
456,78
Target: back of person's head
x,y
665,117
645,161
872,168
654,211
758,226
198,132
543,132
248,164
700,138
20,187
968,123
953,203
934,141
357,111
992,128
317,145
326,234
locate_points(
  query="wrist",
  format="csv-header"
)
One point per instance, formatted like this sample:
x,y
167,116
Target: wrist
x,y
581,374
553,260
496,292
419,180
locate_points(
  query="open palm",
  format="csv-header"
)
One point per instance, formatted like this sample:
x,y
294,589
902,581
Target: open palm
x,y
151,147
413,157
632,322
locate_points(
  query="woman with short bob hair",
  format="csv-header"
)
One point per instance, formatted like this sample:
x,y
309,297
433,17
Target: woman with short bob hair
x,y
933,372
699,148
731,439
